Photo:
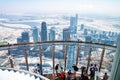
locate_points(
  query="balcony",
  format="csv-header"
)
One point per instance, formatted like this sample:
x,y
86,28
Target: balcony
x,y
25,56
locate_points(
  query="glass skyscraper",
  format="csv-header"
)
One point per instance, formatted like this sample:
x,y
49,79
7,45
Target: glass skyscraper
x,y
35,34
43,31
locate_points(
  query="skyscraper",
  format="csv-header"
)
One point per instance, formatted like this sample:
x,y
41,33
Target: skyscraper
x,y
43,31
73,24
52,34
25,36
66,34
35,34
19,40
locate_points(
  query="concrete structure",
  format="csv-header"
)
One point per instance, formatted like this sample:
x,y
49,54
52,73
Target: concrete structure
x,y
115,74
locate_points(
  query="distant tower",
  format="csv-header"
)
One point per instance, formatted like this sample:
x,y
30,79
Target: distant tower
x,y
66,34
86,49
43,31
35,34
25,37
76,19
73,24
52,34
19,40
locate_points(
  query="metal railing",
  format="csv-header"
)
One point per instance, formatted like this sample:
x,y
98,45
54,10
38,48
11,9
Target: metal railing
x,y
36,76
65,44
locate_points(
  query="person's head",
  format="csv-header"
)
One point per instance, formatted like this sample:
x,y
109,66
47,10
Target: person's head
x,y
95,65
91,65
38,64
105,73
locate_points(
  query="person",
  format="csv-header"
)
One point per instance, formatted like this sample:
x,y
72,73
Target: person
x,y
96,70
75,69
105,77
35,69
56,69
84,74
69,72
95,67
62,75
92,72
39,68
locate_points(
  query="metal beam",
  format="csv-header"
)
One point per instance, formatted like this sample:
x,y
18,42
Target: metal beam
x,y
53,60
89,58
11,62
101,60
77,56
65,56
40,55
26,59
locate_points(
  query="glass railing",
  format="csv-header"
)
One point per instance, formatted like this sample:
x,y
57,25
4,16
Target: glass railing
x,y
14,74
26,56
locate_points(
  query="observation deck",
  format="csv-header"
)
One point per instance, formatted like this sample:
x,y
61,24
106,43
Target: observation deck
x,y
22,58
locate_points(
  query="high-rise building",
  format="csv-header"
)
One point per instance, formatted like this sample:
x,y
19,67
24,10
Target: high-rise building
x,y
73,28
19,40
43,31
66,34
35,34
52,34
87,47
73,24
25,36
71,57
76,19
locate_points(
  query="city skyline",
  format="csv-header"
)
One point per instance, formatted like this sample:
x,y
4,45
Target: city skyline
x,y
107,7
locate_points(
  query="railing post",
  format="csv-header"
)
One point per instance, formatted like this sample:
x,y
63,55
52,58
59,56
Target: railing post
x,y
53,54
40,55
11,62
77,54
101,60
65,56
89,58
26,59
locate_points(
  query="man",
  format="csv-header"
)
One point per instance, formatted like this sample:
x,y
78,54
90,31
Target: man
x,y
92,72
56,69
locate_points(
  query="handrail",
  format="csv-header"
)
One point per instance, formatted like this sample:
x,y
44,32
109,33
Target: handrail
x,y
27,72
57,41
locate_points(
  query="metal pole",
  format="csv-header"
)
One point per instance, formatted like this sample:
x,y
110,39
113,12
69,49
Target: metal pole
x,y
89,58
53,54
102,56
65,56
26,59
77,54
40,55
11,62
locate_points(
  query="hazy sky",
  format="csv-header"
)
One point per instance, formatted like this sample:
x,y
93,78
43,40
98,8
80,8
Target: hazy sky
x,y
110,7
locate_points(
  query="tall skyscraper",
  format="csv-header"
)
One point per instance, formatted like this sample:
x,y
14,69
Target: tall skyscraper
x,y
52,34
22,39
73,24
87,47
19,40
25,37
66,34
35,34
76,19
43,31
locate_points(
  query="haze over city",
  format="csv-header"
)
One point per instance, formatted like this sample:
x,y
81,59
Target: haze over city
x,y
103,7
